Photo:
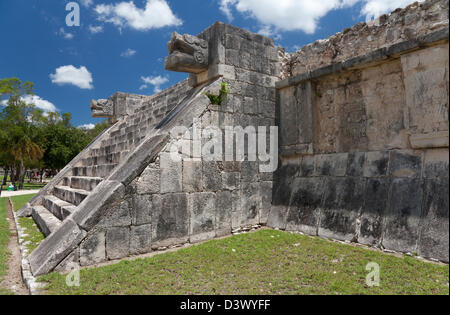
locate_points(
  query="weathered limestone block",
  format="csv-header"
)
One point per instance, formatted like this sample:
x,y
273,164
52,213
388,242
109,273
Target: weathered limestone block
x,y
376,164
141,210
266,201
140,239
436,163
434,237
171,174
192,176
373,211
355,164
202,210
230,180
426,83
118,215
284,177
304,206
342,202
307,166
250,203
406,164
118,242
93,249
403,216
170,219
211,176
149,181
224,209
331,164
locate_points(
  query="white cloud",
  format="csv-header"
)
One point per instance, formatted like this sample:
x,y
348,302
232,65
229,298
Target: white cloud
x,y
37,101
63,33
128,53
156,82
156,14
87,126
79,77
95,29
374,8
304,15
87,3
225,7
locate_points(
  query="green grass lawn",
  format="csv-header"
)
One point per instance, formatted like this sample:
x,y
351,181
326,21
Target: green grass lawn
x,y
33,235
20,201
4,239
264,262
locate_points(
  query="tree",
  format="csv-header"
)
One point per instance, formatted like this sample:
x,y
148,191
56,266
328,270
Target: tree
x,y
18,136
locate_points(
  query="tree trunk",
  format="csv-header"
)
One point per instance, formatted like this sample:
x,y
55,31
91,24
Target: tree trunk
x,y
5,178
21,174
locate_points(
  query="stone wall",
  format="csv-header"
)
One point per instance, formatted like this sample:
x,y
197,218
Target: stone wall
x,y
411,22
364,139
172,202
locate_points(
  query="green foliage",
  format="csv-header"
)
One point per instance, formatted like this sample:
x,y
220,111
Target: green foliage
x,y
266,262
32,139
219,99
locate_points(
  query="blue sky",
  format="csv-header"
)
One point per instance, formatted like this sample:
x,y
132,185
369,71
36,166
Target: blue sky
x,y
121,45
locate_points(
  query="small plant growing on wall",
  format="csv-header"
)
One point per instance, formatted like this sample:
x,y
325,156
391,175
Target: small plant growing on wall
x,y
219,99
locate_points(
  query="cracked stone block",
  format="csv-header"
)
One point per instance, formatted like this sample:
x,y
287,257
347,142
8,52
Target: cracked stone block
x,y
141,239
93,249
118,242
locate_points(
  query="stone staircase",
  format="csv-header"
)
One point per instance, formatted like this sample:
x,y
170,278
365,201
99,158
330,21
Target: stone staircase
x,y
100,160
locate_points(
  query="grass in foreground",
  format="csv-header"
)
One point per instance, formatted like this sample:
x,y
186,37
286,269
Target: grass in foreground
x,y
20,201
264,262
4,239
33,235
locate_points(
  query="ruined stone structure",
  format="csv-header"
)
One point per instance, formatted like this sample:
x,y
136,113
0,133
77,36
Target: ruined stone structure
x,y
363,147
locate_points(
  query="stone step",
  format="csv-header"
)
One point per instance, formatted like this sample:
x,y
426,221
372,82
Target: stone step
x,y
82,182
71,195
102,171
45,220
59,208
113,158
109,149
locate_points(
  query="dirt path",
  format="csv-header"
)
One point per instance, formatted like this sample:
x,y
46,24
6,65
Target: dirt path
x,y
13,279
